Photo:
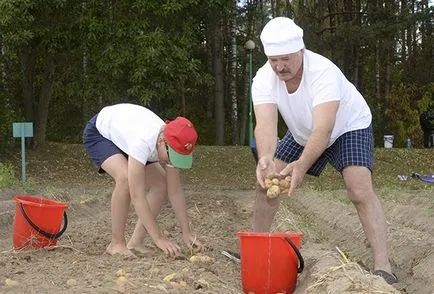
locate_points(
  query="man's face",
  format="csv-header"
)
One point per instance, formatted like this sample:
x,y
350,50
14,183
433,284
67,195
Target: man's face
x,y
286,66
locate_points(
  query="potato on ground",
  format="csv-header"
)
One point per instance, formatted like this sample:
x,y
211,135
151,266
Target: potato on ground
x,y
200,258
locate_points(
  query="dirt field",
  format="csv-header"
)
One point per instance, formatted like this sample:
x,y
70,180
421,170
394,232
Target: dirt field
x,y
220,199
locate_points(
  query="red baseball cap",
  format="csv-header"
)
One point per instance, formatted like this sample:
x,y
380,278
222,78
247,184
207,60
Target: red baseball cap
x,y
181,137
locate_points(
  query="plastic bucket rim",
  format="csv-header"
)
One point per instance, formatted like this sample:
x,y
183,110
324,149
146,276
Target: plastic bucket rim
x,y
277,235
52,203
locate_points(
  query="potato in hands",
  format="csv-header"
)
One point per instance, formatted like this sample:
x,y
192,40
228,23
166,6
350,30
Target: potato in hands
x,y
275,186
273,191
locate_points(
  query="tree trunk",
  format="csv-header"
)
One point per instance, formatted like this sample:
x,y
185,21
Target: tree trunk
x,y
182,94
348,58
245,104
217,54
87,107
44,103
404,15
273,8
28,77
377,73
358,74
3,67
332,25
233,82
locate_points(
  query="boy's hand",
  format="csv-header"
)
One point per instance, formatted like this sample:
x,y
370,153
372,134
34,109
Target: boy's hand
x,y
171,249
192,242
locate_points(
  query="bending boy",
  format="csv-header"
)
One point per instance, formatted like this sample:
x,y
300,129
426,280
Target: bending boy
x,y
142,153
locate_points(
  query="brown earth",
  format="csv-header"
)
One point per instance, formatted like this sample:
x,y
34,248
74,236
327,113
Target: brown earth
x,y
220,199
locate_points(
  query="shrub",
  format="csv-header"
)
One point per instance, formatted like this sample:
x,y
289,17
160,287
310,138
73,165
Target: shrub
x,y
7,176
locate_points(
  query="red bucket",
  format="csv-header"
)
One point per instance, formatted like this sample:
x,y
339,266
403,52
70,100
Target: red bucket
x,y
37,222
270,262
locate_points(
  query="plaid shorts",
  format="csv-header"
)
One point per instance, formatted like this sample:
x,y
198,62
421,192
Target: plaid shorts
x,y
354,148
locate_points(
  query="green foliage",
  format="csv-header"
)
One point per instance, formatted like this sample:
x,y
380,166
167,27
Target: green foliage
x,y
7,176
157,53
403,115
405,104
427,98
7,117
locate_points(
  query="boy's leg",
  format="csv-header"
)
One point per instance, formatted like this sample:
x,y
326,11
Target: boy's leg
x,y
157,197
116,167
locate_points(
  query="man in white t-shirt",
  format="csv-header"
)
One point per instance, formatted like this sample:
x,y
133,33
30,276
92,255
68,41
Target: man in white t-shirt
x,y
328,121
142,153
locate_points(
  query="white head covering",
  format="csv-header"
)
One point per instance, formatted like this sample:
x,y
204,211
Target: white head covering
x,y
281,36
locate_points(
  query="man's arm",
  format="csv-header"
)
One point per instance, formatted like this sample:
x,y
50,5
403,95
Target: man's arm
x,y
266,139
323,121
266,129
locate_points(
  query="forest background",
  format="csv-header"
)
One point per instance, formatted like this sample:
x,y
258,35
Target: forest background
x,y
63,60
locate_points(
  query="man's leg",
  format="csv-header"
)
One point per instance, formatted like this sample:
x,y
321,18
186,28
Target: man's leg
x,y
116,166
358,181
265,208
155,177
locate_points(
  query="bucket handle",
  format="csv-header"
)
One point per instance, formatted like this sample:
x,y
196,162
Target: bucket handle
x,y
42,232
297,252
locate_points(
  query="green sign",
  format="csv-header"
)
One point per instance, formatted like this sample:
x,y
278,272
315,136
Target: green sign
x,y
22,130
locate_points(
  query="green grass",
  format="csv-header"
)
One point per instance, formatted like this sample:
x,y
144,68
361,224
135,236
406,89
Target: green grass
x,y
7,175
233,167
220,167
226,168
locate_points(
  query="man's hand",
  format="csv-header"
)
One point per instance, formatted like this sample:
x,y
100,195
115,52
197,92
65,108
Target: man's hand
x,y
192,242
296,170
265,167
171,249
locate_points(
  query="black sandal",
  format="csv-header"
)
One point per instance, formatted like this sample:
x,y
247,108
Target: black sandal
x,y
390,278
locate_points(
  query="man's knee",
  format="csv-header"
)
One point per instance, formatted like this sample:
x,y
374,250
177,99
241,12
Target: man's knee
x,y
360,194
358,182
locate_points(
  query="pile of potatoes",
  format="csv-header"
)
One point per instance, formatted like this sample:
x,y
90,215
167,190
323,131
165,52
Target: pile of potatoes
x,y
275,186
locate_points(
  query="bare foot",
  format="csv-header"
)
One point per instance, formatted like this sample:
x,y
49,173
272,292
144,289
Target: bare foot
x,y
119,249
139,248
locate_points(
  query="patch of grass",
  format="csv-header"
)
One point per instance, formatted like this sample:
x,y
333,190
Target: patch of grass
x,y
7,175
224,167
388,164
233,167
28,184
